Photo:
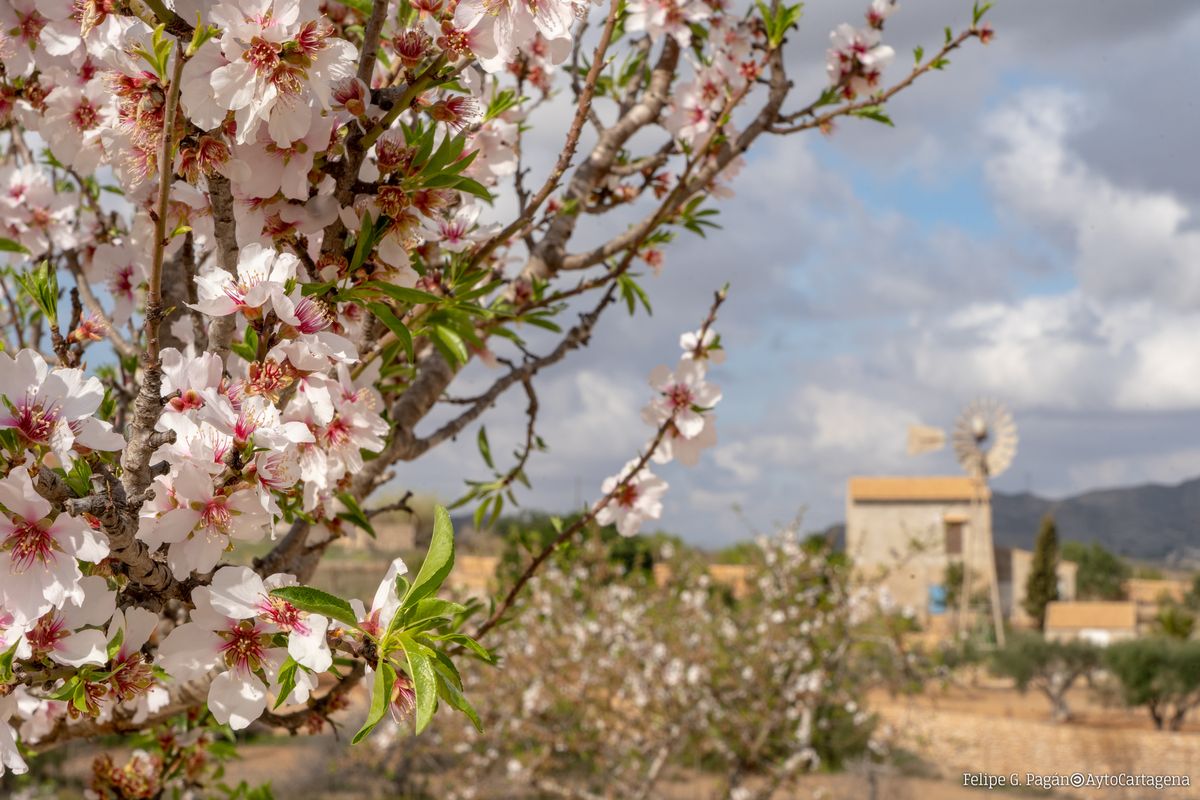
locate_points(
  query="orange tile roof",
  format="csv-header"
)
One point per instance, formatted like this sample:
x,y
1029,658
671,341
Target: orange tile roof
x,y
938,487
1092,614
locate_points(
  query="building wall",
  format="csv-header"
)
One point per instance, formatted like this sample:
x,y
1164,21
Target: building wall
x,y
1013,596
1097,635
906,540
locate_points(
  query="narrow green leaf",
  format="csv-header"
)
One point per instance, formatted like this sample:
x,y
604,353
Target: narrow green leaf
x,y
425,684
475,647
381,697
287,680
403,294
6,662
485,449
354,513
9,246
438,561
403,334
452,342
114,646
315,601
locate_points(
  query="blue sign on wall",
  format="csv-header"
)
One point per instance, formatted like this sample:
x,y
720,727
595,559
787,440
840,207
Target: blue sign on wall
x,y
937,599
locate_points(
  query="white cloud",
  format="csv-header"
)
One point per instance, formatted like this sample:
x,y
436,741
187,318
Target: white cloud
x,y
1129,243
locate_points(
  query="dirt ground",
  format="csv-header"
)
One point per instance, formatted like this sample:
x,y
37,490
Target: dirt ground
x,y
981,725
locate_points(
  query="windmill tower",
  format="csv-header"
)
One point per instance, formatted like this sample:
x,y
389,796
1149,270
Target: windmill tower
x,y
985,443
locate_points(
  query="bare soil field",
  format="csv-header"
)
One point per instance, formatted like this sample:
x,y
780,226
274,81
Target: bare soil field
x,y
986,727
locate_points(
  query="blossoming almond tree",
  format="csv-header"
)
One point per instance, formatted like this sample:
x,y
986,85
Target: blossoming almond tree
x,y
251,246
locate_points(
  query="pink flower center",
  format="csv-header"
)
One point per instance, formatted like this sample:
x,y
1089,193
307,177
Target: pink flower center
x,y
46,634
85,116
283,614
34,421
337,434
243,648
216,515
312,315
263,55
679,396
30,25
626,496
122,282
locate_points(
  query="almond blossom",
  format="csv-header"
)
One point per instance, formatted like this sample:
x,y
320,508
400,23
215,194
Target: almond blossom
x,y
667,18
239,646
682,397
262,276
53,408
458,231
239,593
197,521
498,29
856,59
39,555
68,635
635,496
10,754
274,63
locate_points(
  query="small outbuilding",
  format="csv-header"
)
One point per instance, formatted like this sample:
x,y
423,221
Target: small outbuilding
x,y
1098,622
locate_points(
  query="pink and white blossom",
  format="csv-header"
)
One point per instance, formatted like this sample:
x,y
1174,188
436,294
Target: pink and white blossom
x,y
636,497
39,555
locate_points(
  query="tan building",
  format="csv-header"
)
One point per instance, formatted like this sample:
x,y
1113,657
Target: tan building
x,y
1099,622
735,576
1013,566
1156,591
391,536
1150,595
473,575
907,531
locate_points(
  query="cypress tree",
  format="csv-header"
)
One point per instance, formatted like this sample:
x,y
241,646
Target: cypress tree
x,y
1042,585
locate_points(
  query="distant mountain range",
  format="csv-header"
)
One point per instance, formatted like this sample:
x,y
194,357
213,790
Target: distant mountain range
x,y
1151,522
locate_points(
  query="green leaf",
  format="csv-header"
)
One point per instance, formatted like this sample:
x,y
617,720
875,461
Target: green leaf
x,y
875,113
424,678
114,646
403,335
451,344
9,246
362,245
41,284
354,513
918,54
430,608
79,478
438,561
475,647
6,662
403,294
633,293
471,186
315,601
287,680
485,449
381,697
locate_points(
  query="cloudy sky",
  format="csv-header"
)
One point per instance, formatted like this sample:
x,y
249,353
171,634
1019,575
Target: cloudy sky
x,y
1028,231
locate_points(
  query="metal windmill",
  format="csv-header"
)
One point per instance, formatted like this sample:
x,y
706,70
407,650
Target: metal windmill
x,y
985,442
985,439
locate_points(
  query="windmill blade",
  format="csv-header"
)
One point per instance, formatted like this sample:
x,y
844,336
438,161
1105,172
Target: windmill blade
x,y
985,439
925,439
